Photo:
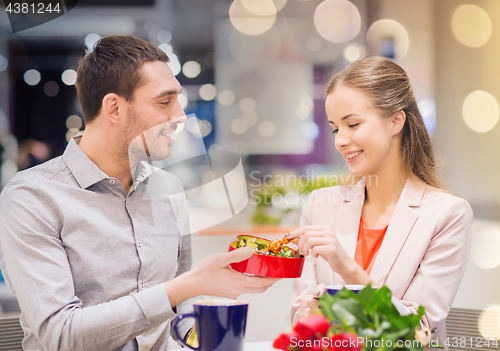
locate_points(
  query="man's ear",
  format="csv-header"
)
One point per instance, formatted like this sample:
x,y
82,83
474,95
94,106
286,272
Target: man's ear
x,y
398,122
112,107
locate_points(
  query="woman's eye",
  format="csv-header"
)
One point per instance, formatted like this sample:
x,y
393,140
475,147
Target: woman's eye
x,y
353,125
165,103
335,131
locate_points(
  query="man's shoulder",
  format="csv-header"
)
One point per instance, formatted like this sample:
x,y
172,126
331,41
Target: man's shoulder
x,y
45,171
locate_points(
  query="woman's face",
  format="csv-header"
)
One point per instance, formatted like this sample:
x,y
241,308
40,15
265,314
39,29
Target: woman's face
x,y
362,136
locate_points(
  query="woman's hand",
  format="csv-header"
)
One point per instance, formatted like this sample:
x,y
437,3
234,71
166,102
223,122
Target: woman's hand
x,y
320,240
309,302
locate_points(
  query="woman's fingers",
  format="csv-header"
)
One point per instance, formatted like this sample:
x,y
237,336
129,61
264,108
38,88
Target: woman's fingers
x,y
313,242
300,231
313,234
320,290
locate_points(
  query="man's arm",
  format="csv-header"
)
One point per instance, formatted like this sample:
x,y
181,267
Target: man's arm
x,y
38,271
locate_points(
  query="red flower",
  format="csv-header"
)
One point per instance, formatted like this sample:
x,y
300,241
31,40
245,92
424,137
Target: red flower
x,y
345,342
284,341
313,325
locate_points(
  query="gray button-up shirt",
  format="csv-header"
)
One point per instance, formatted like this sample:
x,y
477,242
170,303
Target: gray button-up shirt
x,y
87,261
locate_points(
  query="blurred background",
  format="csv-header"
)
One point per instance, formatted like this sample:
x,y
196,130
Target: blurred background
x,y
253,74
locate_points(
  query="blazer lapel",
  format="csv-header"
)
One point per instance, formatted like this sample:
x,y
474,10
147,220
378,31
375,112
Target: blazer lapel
x,y
348,218
400,226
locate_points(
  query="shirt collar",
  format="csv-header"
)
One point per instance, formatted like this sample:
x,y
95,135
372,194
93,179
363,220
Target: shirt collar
x,y
83,169
142,173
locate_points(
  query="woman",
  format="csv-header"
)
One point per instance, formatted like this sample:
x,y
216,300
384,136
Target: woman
x,y
393,224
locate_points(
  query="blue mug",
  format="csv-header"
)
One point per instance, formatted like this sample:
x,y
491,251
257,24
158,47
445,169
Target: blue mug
x,y
333,289
220,324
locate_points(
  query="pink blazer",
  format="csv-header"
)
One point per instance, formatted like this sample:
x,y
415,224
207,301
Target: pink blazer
x,y
422,258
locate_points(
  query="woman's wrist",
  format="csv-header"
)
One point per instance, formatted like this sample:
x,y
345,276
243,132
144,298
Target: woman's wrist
x,y
354,274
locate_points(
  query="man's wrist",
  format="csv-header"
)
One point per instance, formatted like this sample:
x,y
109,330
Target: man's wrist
x,y
181,288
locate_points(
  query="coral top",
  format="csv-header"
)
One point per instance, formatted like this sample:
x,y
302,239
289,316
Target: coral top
x,y
367,245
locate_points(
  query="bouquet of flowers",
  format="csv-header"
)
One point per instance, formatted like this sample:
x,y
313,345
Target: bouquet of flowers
x,y
351,321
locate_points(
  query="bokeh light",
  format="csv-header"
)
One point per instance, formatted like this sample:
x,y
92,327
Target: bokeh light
x,y
238,126
8,169
247,22
226,97
208,92
480,111
174,63
387,31
267,129
72,133
90,41
471,25
302,111
183,100
205,128
166,48
215,151
250,118
279,4
427,109
247,105
32,77
192,124
4,63
260,7
191,69
164,36
51,88
68,77
337,21
489,324
485,248
309,130
354,52
74,122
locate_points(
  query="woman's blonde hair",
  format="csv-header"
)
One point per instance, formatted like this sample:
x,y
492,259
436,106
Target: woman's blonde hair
x,y
388,88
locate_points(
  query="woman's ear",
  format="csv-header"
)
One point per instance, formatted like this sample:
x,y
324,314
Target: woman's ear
x,y
398,122
112,106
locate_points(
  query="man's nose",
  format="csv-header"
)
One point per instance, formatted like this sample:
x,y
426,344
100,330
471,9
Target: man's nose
x,y
178,114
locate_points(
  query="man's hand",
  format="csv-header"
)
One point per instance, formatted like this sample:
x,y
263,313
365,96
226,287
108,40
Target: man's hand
x,y
220,280
213,276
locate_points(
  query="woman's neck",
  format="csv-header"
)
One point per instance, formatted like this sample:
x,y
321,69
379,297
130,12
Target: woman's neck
x,y
384,188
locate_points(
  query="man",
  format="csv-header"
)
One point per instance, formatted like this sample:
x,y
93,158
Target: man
x,y
93,254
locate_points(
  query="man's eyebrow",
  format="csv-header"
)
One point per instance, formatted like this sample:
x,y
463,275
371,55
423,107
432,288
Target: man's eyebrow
x,y
344,118
168,92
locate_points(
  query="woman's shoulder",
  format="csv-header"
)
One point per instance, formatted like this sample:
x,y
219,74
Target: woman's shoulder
x,y
442,200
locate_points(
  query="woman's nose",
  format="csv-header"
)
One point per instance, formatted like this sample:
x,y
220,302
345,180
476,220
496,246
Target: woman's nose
x,y
341,140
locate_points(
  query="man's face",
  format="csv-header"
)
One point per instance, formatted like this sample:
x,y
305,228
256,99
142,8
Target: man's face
x,y
153,113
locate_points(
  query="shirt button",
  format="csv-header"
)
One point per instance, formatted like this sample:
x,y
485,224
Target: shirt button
x,y
139,243
142,286
112,181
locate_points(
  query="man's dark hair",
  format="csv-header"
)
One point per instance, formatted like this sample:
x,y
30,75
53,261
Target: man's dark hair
x,y
113,67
